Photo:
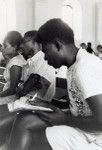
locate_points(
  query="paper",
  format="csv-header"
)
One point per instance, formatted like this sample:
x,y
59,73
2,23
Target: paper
x,y
22,104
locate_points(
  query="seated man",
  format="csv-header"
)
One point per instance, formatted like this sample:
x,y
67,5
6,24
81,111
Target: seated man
x,y
99,51
37,65
82,127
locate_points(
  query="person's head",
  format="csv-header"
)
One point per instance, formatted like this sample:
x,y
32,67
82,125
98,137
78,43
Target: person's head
x,y
99,48
11,43
29,46
83,46
99,51
57,40
89,44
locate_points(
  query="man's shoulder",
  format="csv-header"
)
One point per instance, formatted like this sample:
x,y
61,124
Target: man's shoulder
x,y
87,60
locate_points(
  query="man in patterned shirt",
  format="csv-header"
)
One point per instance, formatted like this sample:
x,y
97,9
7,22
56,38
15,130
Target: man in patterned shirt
x,y
82,127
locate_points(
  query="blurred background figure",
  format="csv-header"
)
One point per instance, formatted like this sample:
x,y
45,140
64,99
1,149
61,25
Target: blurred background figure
x,y
89,47
31,51
15,62
99,51
83,46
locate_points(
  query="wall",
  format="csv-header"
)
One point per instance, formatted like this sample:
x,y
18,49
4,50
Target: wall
x,y
24,15
54,10
90,29
31,14
7,17
40,12
91,21
88,21
45,10
98,24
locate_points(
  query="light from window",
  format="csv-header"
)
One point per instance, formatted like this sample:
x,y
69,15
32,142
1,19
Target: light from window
x,y
7,17
67,15
72,15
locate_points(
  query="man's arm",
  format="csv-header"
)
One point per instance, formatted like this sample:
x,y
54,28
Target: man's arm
x,y
94,122
89,123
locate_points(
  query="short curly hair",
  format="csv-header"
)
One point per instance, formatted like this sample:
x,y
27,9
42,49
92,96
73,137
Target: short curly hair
x,y
30,34
55,29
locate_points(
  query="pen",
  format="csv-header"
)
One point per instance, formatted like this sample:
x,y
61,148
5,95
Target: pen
x,y
35,95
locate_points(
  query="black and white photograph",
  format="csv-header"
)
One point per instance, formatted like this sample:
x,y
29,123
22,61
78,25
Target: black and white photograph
x,y
50,74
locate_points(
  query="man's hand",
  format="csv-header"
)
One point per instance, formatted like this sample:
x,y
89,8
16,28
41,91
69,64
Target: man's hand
x,y
53,118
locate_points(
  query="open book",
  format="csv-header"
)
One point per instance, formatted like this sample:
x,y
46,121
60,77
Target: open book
x,y
23,105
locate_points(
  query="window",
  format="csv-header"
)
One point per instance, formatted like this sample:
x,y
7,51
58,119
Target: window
x,y
7,17
72,15
67,14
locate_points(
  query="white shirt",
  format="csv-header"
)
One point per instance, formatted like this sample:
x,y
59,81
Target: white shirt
x,y
84,80
18,61
37,65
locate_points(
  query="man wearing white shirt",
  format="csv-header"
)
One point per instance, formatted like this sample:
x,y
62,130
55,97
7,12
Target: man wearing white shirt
x,y
82,127
37,65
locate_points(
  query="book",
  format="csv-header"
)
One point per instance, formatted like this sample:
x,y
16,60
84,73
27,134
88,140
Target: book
x,y
22,104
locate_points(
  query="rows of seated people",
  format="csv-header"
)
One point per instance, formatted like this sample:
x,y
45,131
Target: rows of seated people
x,y
30,82
26,78
25,73
88,48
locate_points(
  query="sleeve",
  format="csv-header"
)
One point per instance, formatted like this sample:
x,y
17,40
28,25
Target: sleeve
x,y
16,61
90,80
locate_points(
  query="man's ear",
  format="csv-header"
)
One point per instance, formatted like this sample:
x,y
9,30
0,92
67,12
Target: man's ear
x,y
58,44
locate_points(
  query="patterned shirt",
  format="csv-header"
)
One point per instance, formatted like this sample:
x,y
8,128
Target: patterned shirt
x,y
84,81
37,65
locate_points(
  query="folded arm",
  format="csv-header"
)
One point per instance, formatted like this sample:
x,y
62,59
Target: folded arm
x,y
89,123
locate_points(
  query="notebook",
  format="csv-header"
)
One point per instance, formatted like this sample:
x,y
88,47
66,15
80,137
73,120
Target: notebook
x,y
23,105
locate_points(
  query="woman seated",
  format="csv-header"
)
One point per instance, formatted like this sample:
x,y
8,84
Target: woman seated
x,y
15,62
12,75
99,51
15,67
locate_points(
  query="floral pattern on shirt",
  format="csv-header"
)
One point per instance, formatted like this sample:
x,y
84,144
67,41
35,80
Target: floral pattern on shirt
x,y
78,105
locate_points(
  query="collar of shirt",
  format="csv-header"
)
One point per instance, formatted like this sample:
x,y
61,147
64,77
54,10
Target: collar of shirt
x,y
81,52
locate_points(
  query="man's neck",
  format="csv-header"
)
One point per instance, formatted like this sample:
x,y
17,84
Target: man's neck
x,y
73,50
